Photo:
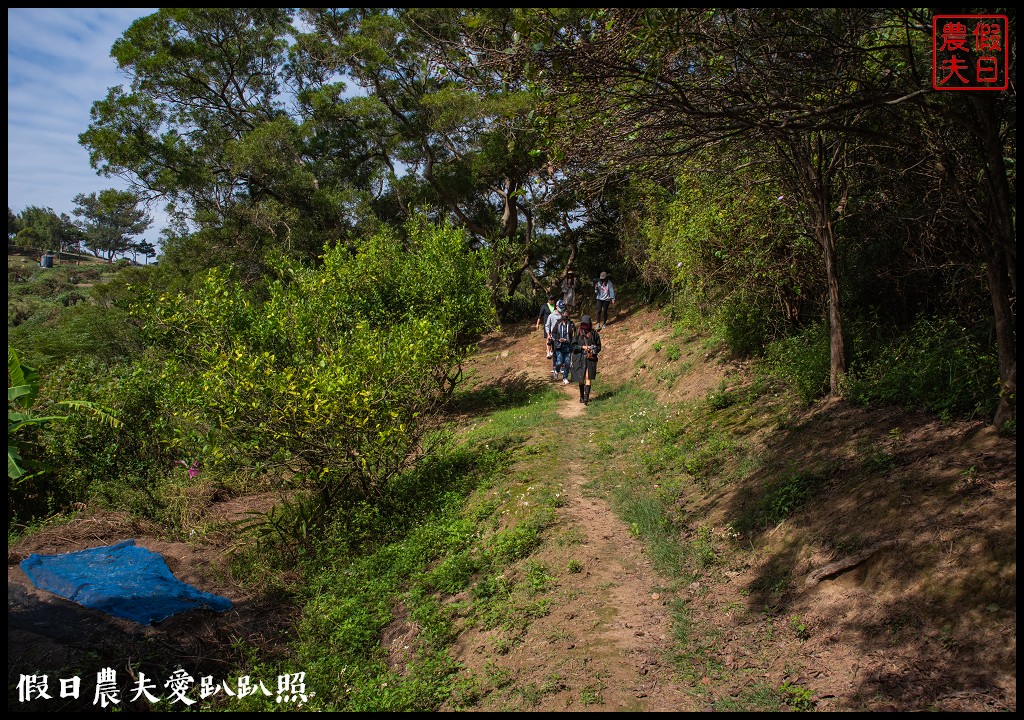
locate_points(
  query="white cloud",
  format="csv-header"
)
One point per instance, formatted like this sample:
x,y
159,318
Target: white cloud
x,y
58,65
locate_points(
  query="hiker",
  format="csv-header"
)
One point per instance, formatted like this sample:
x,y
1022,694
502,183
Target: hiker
x,y
561,337
604,291
569,290
542,319
552,320
586,344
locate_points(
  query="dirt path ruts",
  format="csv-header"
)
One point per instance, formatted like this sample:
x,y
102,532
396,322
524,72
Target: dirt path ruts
x,y
602,646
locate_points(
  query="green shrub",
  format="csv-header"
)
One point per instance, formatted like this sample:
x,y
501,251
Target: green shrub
x,y
516,543
81,331
40,418
340,368
747,324
939,366
781,498
802,361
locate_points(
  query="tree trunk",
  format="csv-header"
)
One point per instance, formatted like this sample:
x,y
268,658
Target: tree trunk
x,y
1001,263
813,170
999,288
837,347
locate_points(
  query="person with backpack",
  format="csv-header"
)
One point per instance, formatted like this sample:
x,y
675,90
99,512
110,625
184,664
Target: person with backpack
x,y
604,292
586,345
561,337
542,321
552,320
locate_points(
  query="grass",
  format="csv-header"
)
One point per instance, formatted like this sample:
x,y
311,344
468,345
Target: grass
x,y
472,523
458,524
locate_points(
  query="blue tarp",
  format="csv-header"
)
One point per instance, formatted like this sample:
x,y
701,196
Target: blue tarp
x,y
122,580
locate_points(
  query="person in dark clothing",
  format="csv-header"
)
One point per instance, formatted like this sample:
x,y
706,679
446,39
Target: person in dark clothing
x,y
542,321
586,345
562,334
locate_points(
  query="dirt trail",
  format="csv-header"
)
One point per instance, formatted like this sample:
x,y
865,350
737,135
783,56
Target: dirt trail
x,y
926,621
602,645
917,521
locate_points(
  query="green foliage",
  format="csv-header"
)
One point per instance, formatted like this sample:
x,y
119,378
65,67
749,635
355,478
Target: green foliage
x,y
82,331
703,548
729,250
110,220
799,627
453,574
720,398
797,697
290,525
747,323
516,542
802,361
75,312
337,370
40,228
939,365
537,579
781,498
128,468
27,496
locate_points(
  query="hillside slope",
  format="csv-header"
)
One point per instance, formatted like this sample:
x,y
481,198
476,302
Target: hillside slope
x,y
832,558
891,588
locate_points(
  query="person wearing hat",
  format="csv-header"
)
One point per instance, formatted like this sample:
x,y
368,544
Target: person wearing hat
x,y
605,294
552,321
586,345
542,319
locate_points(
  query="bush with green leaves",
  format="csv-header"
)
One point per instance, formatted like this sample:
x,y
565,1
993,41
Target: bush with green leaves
x,y
748,323
802,361
36,486
84,330
336,371
939,365
730,249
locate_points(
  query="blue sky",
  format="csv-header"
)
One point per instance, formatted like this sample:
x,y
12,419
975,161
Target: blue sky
x,y
58,64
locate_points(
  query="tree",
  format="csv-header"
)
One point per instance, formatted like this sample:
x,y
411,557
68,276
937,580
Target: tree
x,y
13,225
39,228
639,91
211,123
110,220
147,249
463,131
233,113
